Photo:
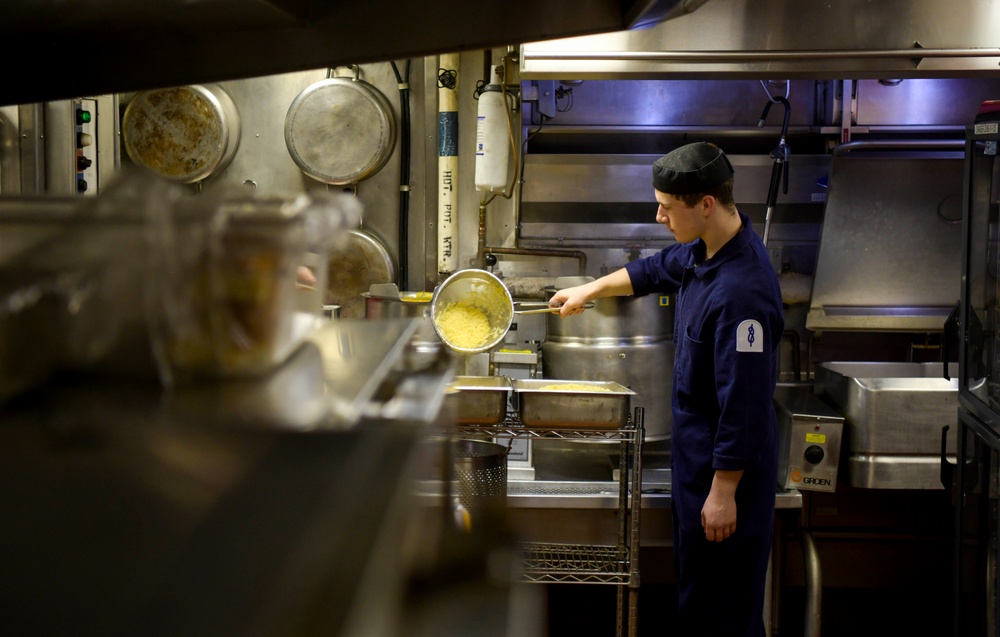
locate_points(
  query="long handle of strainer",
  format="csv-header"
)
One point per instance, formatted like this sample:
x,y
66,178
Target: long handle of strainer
x,y
544,308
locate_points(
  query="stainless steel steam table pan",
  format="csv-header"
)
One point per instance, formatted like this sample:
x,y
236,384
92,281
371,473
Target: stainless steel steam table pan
x,y
478,400
572,404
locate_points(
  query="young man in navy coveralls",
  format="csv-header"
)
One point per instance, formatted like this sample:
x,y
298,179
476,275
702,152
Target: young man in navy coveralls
x,y
724,439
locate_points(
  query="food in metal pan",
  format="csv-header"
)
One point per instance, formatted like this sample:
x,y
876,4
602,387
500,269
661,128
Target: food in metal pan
x,y
574,387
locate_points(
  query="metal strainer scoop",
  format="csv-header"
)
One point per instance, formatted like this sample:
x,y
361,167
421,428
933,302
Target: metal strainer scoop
x,y
472,291
477,294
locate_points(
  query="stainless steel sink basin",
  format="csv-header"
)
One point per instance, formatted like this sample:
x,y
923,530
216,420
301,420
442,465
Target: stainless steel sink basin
x,y
894,414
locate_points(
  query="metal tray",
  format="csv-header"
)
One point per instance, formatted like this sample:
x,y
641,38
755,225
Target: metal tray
x,y
896,408
478,400
539,406
894,413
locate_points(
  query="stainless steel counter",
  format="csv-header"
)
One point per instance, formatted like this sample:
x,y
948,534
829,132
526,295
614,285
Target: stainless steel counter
x,y
549,494
583,475
574,500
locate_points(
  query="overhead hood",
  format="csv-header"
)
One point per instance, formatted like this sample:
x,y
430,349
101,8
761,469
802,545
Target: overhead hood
x,y
891,247
57,49
786,39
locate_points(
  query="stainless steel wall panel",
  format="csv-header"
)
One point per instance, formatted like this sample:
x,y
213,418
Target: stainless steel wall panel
x,y
593,201
262,161
650,103
922,102
10,151
60,148
601,178
108,129
628,178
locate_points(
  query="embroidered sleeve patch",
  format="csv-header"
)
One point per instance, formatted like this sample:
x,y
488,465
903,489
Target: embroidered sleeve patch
x,y
749,337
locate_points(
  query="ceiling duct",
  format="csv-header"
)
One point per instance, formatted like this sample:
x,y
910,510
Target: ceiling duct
x,y
789,39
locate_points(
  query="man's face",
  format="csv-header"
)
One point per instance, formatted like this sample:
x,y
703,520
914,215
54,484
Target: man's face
x,y
686,223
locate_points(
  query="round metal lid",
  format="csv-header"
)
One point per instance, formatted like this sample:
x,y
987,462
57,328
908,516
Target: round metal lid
x,y
353,269
340,130
185,134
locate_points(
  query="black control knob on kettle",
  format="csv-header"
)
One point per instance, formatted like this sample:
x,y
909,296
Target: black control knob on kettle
x,y
814,454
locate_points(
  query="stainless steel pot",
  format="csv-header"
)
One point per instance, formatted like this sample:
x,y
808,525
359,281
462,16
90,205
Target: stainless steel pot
x,y
340,130
645,368
615,319
186,134
353,269
628,340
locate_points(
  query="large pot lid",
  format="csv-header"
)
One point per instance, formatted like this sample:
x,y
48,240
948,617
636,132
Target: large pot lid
x,y
185,134
340,130
353,270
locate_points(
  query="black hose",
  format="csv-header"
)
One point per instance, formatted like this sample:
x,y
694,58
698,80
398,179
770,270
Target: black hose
x,y
404,171
780,155
487,66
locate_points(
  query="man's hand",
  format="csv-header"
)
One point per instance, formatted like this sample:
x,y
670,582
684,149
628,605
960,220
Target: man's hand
x,y
718,515
570,300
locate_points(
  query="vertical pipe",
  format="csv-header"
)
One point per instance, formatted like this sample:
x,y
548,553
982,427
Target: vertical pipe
x,y
635,522
60,147
777,579
814,587
31,129
846,110
481,238
620,627
404,173
768,593
447,230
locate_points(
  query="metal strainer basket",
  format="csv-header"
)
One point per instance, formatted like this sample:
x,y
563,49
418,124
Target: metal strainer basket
x,y
482,290
480,477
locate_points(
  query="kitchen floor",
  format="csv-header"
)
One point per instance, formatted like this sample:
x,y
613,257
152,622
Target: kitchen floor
x,y
581,610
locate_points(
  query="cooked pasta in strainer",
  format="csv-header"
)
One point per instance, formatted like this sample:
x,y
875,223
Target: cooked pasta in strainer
x,y
464,325
471,311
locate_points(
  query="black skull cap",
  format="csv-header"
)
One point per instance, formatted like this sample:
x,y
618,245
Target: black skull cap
x,y
691,169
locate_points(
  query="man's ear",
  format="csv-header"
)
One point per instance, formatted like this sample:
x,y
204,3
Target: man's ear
x,y
707,204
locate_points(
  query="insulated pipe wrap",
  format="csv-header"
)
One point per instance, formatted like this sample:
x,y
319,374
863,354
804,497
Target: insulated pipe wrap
x,y
447,257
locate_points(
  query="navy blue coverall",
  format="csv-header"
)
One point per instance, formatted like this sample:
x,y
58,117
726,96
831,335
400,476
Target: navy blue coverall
x,y
727,329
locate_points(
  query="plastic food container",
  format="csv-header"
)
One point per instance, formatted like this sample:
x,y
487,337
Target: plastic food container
x,y
147,281
31,317
226,282
228,302
590,405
